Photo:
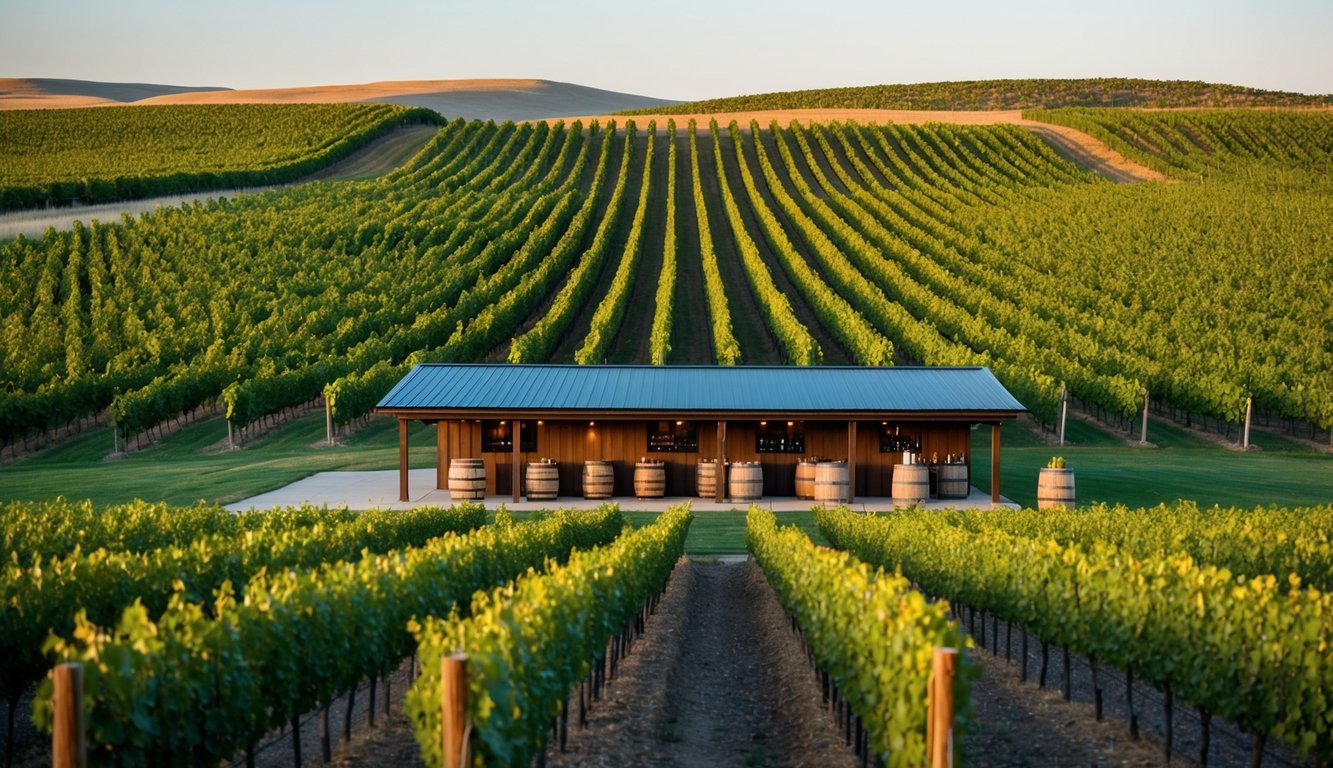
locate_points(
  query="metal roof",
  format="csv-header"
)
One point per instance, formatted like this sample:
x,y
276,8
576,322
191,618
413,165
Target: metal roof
x,y
674,389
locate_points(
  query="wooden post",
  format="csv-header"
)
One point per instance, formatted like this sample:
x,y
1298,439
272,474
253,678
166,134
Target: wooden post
x,y
939,698
402,461
115,439
995,463
721,493
516,432
231,442
441,455
1143,433
328,421
453,699
68,743
1249,408
851,462
1064,412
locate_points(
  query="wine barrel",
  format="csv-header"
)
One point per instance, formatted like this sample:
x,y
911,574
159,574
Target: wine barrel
x,y
467,479
747,481
543,481
1055,489
952,482
599,479
805,479
650,480
831,481
707,479
911,483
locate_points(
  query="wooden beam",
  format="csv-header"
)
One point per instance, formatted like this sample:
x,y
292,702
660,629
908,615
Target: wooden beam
x,y
441,455
402,461
851,462
721,468
516,431
995,463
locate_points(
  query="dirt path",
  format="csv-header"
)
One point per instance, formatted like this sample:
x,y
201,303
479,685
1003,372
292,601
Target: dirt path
x,y
379,157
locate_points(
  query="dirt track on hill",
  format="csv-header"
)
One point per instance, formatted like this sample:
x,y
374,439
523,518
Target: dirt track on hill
x,y
375,159
1074,145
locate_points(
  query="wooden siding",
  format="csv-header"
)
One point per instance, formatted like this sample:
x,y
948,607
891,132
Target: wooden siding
x,y
624,443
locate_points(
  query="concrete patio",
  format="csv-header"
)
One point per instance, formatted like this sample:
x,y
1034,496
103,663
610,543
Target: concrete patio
x,y
379,490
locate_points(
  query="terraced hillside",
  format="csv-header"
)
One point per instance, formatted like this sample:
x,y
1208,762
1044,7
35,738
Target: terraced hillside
x,y
836,243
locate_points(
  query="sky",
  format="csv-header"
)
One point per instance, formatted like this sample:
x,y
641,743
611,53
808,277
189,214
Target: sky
x,y
683,49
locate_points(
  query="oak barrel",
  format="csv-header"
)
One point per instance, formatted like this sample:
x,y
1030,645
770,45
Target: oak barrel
x,y
805,479
467,479
911,483
543,481
1055,488
831,481
707,479
649,480
952,483
747,481
599,479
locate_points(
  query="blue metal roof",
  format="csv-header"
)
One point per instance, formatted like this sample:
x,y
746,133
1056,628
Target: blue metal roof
x,y
643,388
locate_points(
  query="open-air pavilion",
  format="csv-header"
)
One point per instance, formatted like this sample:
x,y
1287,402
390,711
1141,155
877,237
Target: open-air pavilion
x,y
875,420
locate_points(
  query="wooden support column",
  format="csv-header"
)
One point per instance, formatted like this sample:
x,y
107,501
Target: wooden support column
x,y
995,463
402,461
851,462
721,493
441,455
516,430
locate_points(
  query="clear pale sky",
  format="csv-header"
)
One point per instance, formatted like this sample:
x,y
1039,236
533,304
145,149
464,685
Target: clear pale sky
x,y
682,49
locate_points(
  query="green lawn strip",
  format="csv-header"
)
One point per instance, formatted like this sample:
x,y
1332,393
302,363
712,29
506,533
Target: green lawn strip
x,y
1145,477
715,533
182,470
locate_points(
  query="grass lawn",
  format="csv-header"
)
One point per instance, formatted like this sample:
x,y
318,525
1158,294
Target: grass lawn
x,y
1184,466
185,468
722,533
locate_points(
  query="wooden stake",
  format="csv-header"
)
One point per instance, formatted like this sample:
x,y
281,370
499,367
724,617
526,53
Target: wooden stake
x,y
939,720
454,724
1143,433
69,747
1249,408
328,421
1064,412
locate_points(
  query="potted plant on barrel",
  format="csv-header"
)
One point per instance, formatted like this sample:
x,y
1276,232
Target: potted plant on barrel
x,y
1055,485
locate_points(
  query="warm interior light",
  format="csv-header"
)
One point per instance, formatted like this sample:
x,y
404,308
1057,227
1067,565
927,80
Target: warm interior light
x,y
763,423
790,423
502,423
592,423
679,423
540,422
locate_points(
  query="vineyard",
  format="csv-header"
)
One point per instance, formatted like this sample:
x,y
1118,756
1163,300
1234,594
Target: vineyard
x,y
838,243
55,156
1233,633
1005,94
202,633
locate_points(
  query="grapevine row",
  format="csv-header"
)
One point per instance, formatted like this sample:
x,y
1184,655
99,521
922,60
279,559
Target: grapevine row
x,y
659,340
529,642
606,320
45,595
869,630
1244,649
201,682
